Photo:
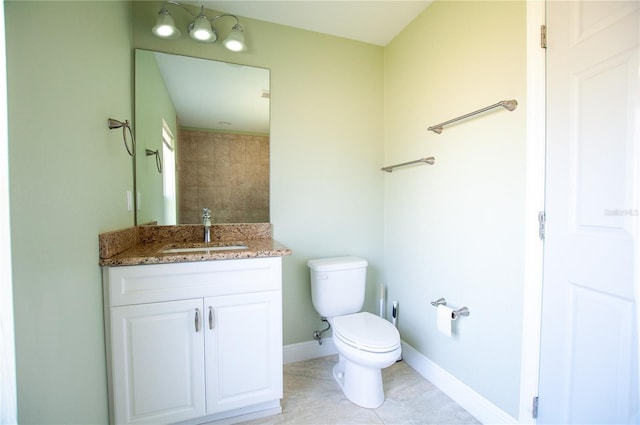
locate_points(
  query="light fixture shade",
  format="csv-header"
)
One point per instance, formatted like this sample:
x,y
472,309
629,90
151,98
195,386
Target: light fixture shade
x,y
235,40
165,27
201,30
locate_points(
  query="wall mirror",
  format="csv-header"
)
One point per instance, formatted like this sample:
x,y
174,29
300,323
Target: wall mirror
x,y
202,135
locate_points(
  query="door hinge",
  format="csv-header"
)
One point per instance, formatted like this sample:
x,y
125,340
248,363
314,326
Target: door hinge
x,y
543,36
534,408
542,219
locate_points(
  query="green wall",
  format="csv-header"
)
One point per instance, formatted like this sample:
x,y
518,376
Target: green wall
x,y
456,229
326,146
69,174
69,68
340,110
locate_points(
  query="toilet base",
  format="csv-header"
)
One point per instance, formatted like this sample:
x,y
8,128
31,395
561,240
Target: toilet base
x,y
361,385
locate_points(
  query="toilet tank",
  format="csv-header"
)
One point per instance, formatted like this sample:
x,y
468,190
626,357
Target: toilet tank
x,y
338,285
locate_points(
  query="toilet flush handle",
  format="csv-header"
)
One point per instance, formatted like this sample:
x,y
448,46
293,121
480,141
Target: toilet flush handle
x,y
323,277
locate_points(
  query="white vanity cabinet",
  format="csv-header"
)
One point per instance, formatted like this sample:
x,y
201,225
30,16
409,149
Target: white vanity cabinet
x,y
195,342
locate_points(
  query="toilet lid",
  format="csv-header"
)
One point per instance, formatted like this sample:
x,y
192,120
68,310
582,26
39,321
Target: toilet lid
x,y
367,332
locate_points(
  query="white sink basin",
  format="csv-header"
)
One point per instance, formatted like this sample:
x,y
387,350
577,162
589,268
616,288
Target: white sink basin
x,y
205,249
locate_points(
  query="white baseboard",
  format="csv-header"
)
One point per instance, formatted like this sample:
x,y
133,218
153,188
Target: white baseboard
x,y
481,408
308,350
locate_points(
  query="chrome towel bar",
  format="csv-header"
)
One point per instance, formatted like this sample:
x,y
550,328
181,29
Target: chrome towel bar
x,y
430,160
509,105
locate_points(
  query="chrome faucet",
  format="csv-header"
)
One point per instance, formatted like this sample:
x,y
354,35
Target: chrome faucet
x,y
206,222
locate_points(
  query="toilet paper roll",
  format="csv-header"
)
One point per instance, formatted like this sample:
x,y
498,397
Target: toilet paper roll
x,y
445,314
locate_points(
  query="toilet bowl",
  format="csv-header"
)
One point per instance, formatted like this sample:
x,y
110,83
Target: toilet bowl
x,y
366,343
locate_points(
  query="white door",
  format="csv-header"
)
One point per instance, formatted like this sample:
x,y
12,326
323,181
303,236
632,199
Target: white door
x,y
158,362
589,356
243,350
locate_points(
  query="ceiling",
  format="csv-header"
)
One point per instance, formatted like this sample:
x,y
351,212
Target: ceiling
x,y
212,94
371,21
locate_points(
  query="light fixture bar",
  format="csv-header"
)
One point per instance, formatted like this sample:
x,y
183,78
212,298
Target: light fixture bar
x,y
200,29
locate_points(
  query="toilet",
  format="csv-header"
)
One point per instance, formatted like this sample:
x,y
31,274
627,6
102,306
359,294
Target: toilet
x,y
366,343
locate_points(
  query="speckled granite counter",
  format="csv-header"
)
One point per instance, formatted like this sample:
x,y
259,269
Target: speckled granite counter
x,y
145,244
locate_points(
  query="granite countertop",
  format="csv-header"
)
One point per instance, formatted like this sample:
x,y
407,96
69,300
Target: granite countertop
x,y
145,244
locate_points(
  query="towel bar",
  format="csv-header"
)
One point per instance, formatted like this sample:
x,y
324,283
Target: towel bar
x,y
509,105
390,168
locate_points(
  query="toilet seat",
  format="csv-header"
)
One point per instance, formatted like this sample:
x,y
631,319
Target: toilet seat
x,y
366,332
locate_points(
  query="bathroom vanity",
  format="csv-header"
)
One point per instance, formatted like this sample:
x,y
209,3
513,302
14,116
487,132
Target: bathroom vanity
x,y
194,336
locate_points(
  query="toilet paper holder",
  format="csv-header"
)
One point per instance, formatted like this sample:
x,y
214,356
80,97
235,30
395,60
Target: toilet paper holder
x,y
464,311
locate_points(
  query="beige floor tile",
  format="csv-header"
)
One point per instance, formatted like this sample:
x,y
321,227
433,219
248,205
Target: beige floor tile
x,y
312,397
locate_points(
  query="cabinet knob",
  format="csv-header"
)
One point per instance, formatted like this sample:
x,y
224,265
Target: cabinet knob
x,y
197,320
210,317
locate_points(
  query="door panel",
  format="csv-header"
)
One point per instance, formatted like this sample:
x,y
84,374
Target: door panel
x,y
243,350
148,338
588,359
599,378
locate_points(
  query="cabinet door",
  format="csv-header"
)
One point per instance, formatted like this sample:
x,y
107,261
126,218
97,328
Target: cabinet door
x,y
158,362
243,350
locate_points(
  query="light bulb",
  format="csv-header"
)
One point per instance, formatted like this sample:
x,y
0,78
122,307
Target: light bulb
x,y
165,27
200,30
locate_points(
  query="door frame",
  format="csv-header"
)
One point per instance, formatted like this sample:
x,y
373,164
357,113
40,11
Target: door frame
x,y
8,392
534,203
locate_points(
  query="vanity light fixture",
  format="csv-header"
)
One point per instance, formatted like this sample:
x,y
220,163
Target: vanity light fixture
x,y
201,29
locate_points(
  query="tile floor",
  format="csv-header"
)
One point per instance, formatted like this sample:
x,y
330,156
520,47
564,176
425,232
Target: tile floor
x,y
311,396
